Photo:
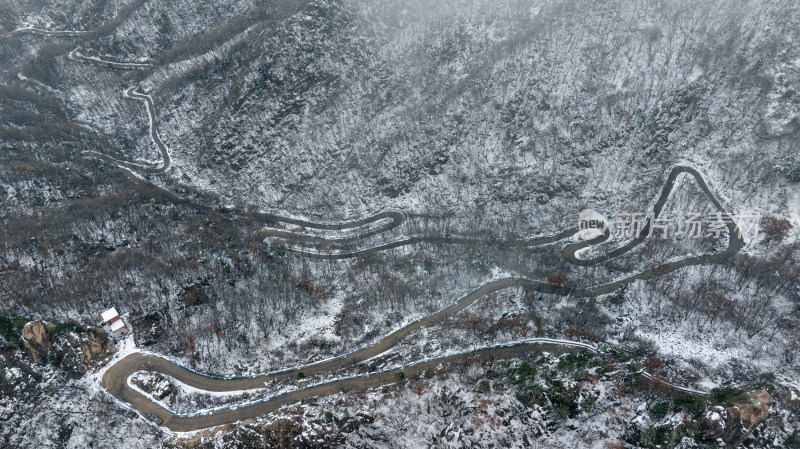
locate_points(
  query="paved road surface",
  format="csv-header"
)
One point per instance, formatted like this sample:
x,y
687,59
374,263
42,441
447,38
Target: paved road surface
x,y
165,158
115,379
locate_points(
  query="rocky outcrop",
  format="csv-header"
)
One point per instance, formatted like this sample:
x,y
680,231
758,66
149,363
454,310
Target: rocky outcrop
x,y
713,424
32,351
751,414
792,399
37,332
73,351
97,346
195,294
37,339
736,422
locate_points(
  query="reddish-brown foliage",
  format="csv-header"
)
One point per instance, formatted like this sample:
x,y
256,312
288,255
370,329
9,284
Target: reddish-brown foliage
x,y
653,363
775,229
314,290
557,279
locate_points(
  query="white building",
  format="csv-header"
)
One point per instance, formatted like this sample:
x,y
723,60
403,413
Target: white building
x,y
113,323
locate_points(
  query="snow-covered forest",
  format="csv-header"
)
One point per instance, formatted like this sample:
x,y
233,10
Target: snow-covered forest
x,y
203,167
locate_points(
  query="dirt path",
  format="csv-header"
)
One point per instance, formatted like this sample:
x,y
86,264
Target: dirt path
x,y
43,32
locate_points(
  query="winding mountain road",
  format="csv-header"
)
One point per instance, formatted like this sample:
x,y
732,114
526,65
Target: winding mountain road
x,y
43,32
116,377
151,112
735,244
393,220
78,55
115,380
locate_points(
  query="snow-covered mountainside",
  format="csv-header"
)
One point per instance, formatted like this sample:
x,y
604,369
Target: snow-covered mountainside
x,y
367,211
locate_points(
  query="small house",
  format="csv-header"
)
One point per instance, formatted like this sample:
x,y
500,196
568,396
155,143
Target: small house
x,y
113,324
